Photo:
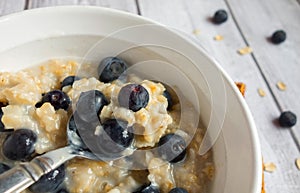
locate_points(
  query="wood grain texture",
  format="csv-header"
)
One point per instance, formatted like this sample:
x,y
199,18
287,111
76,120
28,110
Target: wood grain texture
x,y
277,62
11,6
125,5
277,144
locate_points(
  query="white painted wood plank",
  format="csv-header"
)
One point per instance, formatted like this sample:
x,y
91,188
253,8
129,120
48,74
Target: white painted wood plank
x,y
277,144
11,6
125,5
278,62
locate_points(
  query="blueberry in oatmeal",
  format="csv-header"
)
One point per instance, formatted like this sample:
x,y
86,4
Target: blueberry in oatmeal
x,y
172,148
57,98
19,145
3,168
1,114
147,189
111,68
178,190
68,81
118,131
1,124
133,97
50,181
62,191
169,99
90,104
73,131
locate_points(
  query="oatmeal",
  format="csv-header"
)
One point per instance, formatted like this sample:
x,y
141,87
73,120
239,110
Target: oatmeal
x,y
36,101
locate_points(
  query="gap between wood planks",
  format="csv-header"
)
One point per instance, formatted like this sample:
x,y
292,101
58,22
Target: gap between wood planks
x,y
293,135
138,8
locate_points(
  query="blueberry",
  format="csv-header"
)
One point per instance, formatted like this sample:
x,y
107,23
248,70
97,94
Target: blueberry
x,y
220,16
57,98
72,131
118,131
178,190
287,119
68,81
1,114
90,104
133,97
278,37
50,181
111,68
20,144
172,148
2,127
169,99
147,189
62,191
3,168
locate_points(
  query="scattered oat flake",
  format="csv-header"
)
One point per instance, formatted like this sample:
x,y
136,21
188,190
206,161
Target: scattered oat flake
x,y
269,167
218,38
298,163
242,87
281,86
245,50
196,31
261,92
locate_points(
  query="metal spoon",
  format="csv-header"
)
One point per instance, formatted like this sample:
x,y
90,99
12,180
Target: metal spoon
x,y
25,174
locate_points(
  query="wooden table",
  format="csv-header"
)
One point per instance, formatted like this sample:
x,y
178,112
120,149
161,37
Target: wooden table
x,y
250,23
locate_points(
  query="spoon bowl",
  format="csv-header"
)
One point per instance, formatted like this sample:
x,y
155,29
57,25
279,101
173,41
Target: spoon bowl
x,y
25,174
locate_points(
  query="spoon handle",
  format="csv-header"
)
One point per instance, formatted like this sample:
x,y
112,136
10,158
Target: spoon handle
x,y
15,180
25,174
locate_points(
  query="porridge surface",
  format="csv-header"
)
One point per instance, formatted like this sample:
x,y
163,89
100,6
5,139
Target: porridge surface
x,y
22,90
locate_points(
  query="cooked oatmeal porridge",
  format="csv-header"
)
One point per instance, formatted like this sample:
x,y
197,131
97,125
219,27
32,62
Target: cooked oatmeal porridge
x,y
139,114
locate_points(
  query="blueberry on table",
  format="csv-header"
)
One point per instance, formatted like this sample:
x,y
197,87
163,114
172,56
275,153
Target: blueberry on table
x,y
278,37
118,131
220,16
178,190
90,104
111,68
19,145
169,99
3,168
287,119
50,181
147,189
57,98
172,148
133,97
68,81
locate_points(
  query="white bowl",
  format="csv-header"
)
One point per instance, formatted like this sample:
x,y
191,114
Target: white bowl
x,y
30,37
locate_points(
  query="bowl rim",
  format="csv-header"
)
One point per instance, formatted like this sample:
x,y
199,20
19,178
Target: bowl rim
x,y
257,182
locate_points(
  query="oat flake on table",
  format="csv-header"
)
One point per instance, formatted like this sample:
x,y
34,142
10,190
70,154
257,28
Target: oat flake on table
x,y
298,163
261,92
245,50
218,38
281,86
196,31
269,167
